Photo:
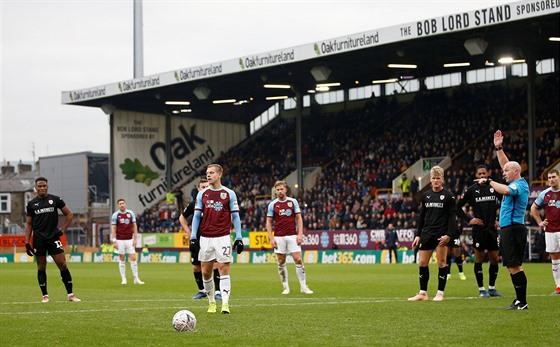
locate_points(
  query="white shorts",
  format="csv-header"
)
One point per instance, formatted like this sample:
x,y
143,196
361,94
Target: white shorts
x,y
286,244
215,248
125,247
552,242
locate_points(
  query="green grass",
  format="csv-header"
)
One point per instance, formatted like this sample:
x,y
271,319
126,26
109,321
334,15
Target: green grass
x,y
353,305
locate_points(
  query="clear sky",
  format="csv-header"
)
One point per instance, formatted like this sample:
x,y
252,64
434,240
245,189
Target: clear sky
x,y
52,46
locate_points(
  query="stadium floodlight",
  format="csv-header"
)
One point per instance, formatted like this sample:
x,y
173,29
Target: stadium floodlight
x,y
402,66
475,46
555,39
320,73
510,60
332,84
277,86
201,93
456,64
390,80
181,103
279,97
224,101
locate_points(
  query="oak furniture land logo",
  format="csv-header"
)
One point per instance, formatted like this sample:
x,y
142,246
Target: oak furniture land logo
x,y
135,170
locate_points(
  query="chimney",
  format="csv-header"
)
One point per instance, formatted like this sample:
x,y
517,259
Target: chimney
x,y
23,168
7,169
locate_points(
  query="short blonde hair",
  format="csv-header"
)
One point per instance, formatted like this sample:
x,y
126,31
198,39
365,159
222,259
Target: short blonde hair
x,y
218,167
437,171
280,183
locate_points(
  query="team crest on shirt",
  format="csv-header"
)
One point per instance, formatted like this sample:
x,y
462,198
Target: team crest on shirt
x,y
223,196
51,202
513,186
290,204
441,197
128,215
491,190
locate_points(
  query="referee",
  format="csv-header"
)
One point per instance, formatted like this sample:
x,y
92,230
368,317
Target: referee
x,y
513,233
42,222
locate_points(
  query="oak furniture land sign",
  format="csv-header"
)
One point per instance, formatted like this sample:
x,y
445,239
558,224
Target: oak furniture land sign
x,y
139,153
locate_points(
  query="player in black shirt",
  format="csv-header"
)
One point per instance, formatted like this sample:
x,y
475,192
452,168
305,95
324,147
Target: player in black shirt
x,y
436,226
186,219
484,202
42,222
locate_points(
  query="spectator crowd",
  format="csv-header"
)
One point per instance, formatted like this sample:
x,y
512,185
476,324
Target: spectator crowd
x,y
362,151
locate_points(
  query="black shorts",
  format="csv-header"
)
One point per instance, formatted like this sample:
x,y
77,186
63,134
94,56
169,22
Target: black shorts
x,y
53,246
194,258
485,239
513,240
428,242
454,243
194,255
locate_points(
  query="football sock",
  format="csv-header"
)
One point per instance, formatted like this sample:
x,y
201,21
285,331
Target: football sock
x,y
42,278
442,278
198,279
478,274
556,271
67,280
519,281
209,288
122,269
216,279
225,284
459,262
134,268
283,274
424,275
493,272
300,272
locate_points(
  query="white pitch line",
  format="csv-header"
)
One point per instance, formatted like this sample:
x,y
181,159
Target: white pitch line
x,y
289,302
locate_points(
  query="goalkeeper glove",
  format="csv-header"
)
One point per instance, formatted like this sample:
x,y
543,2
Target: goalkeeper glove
x,y
238,246
29,250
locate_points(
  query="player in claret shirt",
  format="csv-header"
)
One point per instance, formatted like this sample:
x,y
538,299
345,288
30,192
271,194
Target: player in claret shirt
x,y
549,199
42,221
285,213
185,219
124,231
220,209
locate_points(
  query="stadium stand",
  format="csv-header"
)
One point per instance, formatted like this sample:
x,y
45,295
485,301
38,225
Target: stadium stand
x,y
362,150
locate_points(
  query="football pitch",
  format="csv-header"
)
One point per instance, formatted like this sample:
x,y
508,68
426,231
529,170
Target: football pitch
x,y
353,305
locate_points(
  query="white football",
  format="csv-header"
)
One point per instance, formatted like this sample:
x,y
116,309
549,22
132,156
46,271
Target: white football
x,y
184,320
